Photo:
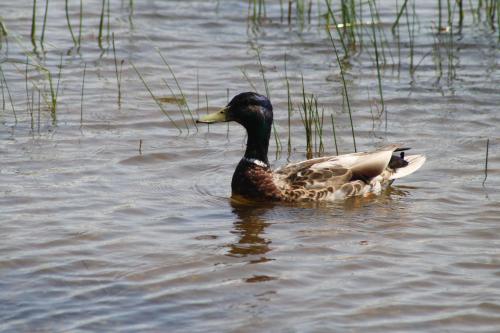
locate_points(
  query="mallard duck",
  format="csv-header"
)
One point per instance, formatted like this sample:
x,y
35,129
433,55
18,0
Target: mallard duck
x,y
326,178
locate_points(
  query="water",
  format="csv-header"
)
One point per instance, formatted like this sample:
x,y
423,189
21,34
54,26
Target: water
x,y
120,223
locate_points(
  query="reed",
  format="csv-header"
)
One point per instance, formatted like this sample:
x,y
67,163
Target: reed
x,y
382,36
318,126
197,94
377,62
334,135
206,104
3,95
154,98
33,25
411,38
344,85
460,14
313,122
66,9
305,111
180,102
396,23
268,94
101,24
54,92
289,109
42,37
3,29
486,161
108,24
179,88
118,72
80,24
8,93
341,37
28,106
82,94
289,12
245,75
440,24
498,20
32,119
39,109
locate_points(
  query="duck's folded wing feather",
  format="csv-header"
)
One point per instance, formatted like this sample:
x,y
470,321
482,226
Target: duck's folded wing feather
x,y
334,170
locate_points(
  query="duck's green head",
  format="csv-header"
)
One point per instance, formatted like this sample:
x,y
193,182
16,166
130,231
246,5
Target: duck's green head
x,y
251,110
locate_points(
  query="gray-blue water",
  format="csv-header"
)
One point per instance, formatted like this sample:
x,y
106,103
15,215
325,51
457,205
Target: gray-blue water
x,y
112,221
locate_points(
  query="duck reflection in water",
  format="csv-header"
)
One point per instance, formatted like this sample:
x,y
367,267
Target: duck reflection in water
x,y
250,228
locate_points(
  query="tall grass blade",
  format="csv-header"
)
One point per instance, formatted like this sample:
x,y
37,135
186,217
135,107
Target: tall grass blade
x,y
268,94
69,22
83,92
344,86
10,95
334,135
155,99
179,88
486,161
395,24
42,37
33,25
117,72
101,24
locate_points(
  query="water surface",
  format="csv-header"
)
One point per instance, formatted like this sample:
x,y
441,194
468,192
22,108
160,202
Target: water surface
x,y
118,222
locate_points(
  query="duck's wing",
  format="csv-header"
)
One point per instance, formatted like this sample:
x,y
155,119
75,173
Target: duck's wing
x,y
357,169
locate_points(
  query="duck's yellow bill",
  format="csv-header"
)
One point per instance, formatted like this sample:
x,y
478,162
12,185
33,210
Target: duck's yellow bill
x,y
216,117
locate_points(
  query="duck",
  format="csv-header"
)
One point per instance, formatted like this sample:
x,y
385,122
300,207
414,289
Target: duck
x,y
328,178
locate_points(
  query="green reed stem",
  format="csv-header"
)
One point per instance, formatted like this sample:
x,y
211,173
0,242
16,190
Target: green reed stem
x,y
395,24
306,120
3,29
290,109
10,95
118,73
39,111
498,20
101,24
83,92
178,102
379,79
268,94
33,25
42,37
334,135
179,88
80,24
155,99
3,95
486,161
345,87
108,24
26,85
460,13
69,23
54,93
206,101
332,15
248,79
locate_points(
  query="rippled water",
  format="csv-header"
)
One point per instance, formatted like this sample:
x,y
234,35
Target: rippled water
x,y
120,223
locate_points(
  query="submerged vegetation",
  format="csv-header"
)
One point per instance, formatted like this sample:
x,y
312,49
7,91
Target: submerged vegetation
x,y
351,29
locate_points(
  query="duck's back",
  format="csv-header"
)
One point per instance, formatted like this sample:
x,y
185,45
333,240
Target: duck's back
x,y
336,177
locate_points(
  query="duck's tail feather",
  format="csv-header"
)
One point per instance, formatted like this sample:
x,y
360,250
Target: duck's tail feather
x,y
414,163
